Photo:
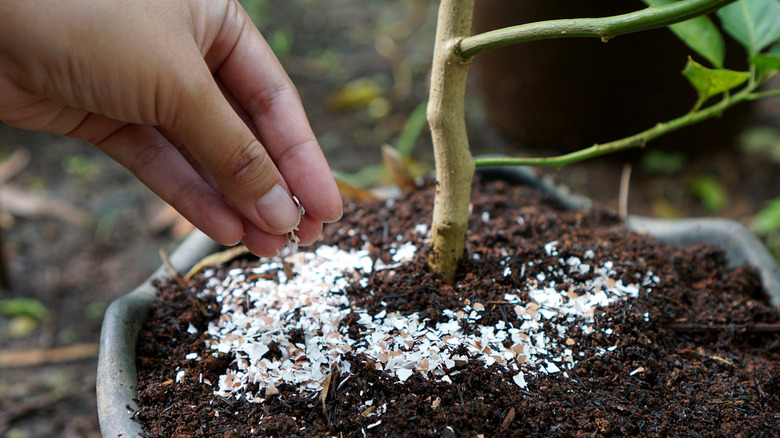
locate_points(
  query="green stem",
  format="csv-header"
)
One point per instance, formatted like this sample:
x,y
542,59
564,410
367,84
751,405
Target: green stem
x,y
763,94
604,28
637,140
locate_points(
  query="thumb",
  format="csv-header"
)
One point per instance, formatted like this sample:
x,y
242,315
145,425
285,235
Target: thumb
x,y
224,145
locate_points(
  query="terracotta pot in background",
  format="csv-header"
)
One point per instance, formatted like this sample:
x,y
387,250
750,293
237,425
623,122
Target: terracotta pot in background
x,y
566,94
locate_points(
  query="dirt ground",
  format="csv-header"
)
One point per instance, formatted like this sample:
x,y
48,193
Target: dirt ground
x,y
79,231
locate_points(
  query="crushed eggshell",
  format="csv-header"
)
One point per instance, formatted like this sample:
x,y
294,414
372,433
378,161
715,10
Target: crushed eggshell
x,y
266,304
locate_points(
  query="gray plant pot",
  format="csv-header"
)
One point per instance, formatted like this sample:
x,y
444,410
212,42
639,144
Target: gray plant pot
x,y
117,379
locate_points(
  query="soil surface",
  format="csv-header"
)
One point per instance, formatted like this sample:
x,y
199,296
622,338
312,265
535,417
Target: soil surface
x,y
76,267
697,353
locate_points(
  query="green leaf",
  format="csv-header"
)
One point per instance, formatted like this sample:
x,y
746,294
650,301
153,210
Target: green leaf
x,y
412,129
710,192
281,41
364,177
699,34
710,82
761,140
767,219
768,61
753,23
355,94
667,163
23,307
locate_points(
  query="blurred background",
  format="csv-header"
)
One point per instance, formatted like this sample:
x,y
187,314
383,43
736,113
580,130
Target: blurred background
x,y
79,231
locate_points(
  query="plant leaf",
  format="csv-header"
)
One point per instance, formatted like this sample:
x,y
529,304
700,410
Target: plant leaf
x,y
399,170
412,129
709,82
658,161
350,191
767,219
23,307
700,34
710,192
217,258
753,23
763,141
364,177
355,94
768,61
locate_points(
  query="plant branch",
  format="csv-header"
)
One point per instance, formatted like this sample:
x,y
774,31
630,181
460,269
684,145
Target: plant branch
x,y
604,28
763,94
636,140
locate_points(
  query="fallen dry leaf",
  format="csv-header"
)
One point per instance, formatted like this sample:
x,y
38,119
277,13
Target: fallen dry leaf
x,y
217,259
510,417
16,358
326,389
399,170
26,204
355,94
349,191
11,166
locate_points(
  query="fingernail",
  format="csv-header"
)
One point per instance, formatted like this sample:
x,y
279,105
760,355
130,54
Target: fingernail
x,y
278,210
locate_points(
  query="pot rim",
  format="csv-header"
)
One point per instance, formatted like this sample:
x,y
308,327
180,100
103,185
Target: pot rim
x,y
117,379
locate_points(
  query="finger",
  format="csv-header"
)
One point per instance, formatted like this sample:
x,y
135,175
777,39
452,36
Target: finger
x,y
156,163
254,76
264,244
176,142
221,142
308,230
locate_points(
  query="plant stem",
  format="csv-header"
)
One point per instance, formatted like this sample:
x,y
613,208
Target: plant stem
x,y
605,28
637,140
764,94
446,117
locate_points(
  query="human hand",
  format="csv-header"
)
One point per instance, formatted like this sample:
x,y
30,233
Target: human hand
x,y
187,95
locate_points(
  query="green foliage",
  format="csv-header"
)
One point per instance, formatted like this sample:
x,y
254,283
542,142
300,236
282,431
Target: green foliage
x,y
768,62
281,41
699,34
767,220
364,177
710,192
23,307
410,133
667,163
412,129
763,140
83,167
765,63
755,24
256,9
95,310
767,223
356,94
710,82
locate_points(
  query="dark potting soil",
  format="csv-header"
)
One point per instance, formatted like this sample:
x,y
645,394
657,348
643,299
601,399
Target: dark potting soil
x,y
697,356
